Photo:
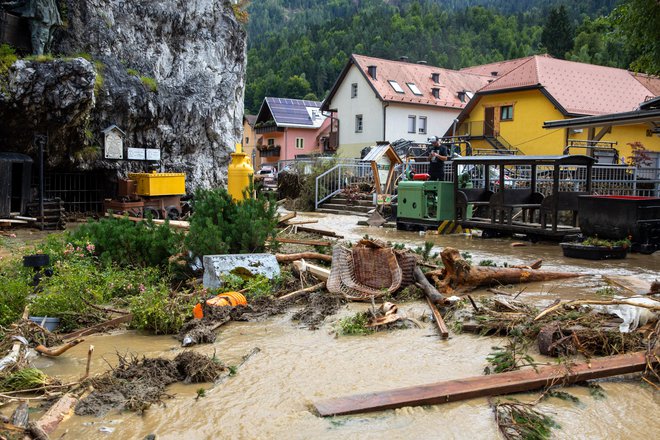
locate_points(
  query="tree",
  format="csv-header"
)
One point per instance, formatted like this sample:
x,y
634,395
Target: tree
x,y
639,23
557,36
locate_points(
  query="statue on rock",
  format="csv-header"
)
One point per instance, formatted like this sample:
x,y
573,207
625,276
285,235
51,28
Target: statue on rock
x,y
42,15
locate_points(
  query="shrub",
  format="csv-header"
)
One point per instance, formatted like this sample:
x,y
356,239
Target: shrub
x,y
149,83
158,311
139,244
15,281
220,226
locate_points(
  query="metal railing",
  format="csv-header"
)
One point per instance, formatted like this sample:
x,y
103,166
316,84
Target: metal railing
x,y
343,175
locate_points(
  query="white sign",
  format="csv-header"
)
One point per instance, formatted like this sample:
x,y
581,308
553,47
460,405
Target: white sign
x,y
136,154
153,154
114,145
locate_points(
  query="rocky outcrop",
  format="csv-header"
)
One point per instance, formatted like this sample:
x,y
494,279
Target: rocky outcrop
x,y
171,75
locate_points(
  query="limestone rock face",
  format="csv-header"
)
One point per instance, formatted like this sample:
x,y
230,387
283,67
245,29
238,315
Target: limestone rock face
x,y
172,76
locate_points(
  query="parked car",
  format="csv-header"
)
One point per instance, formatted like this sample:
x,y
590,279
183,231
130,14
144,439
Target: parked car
x,y
267,176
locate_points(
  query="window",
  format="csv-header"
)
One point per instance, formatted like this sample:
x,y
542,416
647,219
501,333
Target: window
x,y
422,125
247,141
395,85
506,113
300,143
358,123
271,142
411,124
413,88
354,90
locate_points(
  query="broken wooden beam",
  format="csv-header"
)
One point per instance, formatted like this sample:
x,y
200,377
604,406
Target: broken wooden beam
x,y
484,386
62,409
286,258
181,224
303,241
319,231
439,322
286,217
313,288
319,272
632,283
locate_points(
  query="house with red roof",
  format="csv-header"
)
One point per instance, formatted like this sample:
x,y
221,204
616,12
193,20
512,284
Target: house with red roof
x,y
508,113
288,128
381,100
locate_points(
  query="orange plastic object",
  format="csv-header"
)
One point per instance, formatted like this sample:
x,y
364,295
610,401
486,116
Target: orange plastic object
x,y
232,299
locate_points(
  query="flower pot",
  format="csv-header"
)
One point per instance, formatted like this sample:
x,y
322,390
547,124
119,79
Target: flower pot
x,y
50,324
587,252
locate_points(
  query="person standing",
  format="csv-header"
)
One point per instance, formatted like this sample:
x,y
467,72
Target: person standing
x,y
42,15
438,154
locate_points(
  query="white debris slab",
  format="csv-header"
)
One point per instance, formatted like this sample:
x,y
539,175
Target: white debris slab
x,y
216,266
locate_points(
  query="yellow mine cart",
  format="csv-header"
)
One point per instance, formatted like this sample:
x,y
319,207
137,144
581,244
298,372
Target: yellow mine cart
x,y
159,184
239,174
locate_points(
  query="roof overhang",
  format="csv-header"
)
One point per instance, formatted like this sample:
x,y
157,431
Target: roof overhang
x,y
570,159
626,118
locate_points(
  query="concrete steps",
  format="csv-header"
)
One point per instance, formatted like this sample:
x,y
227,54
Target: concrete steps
x,y
340,204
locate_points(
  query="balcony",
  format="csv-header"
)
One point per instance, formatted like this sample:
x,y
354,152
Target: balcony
x,y
269,151
267,127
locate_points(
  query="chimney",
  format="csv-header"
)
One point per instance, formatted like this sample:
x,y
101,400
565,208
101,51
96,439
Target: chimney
x,y
403,58
435,77
372,71
436,92
422,62
461,96
494,73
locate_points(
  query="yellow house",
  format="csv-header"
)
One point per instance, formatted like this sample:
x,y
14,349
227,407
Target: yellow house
x,y
510,111
250,140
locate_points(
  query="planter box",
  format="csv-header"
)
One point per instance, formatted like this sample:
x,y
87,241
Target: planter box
x,y
579,250
50,324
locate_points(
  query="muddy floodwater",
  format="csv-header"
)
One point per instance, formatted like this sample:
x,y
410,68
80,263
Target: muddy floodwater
x,y
271,395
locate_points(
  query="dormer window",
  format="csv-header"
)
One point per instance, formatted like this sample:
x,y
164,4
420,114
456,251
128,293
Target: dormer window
x,y
435,77
395,85
354,90
413,88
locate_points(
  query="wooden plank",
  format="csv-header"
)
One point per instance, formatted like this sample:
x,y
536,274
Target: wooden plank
x,y
61,410
303,241
181,224
319,231
27,219
630,283
99,327
286,217
13,221
483,386
439,322
319,272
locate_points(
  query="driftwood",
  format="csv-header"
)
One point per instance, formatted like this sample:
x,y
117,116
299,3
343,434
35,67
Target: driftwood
x,y
301,222
432,297
482,386
20,416
59,411
303,241
579,302
313,288
36,432
286,217
286,258
181,224
460,275
59,350
100,327
319,272
319,232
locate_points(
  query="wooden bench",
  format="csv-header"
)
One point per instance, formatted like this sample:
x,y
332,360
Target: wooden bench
x,y
471,196
566,201
504,202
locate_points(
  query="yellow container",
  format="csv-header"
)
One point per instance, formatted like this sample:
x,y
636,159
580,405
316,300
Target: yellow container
x,y
239,174
159,184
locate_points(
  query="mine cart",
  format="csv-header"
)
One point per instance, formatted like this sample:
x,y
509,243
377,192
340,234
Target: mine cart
x,y
154,194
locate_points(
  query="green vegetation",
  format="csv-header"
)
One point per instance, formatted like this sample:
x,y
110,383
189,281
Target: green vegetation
x,y
354,325
133,72
98,80
25,379
595,241
517,420
297,48
15,280
160,312
511,357
149,83
218,225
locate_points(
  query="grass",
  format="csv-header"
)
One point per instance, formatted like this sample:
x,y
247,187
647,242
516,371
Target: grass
x,y
150,83
98,81
355,325
133,72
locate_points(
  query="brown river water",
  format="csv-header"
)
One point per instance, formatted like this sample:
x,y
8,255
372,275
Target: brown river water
x,y
271,396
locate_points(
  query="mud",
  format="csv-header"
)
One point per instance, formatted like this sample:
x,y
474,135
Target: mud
x,y
320,305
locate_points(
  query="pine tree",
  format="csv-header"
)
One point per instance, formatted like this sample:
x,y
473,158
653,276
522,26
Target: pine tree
x,y
557,36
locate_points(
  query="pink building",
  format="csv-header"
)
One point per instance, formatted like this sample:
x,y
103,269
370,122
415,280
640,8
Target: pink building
x,y
287,128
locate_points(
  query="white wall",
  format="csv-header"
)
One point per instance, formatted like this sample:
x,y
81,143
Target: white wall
x,y
438,121
366,104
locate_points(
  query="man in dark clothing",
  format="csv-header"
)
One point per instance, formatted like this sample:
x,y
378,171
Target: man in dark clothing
x,y
43,17
438,154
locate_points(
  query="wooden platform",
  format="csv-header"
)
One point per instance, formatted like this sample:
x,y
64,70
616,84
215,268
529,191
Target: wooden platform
x,y
532,229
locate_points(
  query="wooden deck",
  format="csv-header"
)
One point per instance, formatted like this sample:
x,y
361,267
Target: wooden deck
x,y
530,229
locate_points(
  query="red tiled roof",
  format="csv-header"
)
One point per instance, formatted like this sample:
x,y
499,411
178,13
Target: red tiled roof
x,y
451,82
650,82
580,88
498,68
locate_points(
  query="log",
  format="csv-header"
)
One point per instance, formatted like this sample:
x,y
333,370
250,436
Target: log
x,y
319,231
439,322
301,222
319,272
458,274
286,217
181,224
36,432
313,288
286,258
99,327
303,241
20,416
483,386
429,290
59,411
59,350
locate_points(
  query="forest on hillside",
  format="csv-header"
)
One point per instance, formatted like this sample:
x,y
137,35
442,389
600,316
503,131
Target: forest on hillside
x,y
297,48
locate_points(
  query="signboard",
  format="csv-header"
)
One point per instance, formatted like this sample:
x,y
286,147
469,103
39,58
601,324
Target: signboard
x,y
136,154
114,145
153,154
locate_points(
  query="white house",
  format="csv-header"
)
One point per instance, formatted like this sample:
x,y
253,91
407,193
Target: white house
x,y
381,100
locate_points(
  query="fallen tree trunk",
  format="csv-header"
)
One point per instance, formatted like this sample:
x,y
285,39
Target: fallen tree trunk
x,y
460,275
61,410
483,386
313,288
100,327
286,258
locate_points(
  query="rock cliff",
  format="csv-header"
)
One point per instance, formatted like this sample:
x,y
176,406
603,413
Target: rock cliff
x,y
169,73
